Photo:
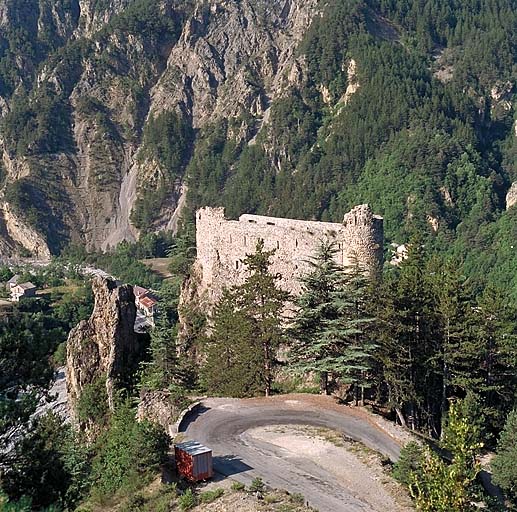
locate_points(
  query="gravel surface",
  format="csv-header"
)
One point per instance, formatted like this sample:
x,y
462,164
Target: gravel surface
x,y
224,425
358,470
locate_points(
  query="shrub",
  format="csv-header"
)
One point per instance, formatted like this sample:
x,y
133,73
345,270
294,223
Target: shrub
x,y
93,402
238,486
129,452
410,460
59,356
271,498
187,500
257,485
134,503
209,496
297,498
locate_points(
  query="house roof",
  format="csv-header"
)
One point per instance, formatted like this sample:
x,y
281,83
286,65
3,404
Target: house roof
x,y
27,286
148,302
139,291
13,279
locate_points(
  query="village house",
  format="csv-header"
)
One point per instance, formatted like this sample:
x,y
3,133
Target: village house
x,y
145,302
140,293
148,306
12,282
21,291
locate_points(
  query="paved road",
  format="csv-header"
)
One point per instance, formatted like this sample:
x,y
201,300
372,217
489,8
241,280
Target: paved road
x,y
222,424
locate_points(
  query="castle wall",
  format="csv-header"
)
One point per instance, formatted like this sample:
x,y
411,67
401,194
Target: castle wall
x,y
222,245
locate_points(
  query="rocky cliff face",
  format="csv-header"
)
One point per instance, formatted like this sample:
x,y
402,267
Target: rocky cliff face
x,y
75,142
511,196
161,408
233,57
105,345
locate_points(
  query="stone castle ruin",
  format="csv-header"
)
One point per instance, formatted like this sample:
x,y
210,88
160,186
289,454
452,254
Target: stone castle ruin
x,y
222,245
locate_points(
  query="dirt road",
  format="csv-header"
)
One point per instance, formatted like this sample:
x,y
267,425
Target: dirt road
x,y
223,425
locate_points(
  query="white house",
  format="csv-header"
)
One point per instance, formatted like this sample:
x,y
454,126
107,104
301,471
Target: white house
x,y
13,282
23,290
145,302
148,305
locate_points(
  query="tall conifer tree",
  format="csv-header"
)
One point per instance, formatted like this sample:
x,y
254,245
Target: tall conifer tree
x,y
247,331
233,366
330,326
316,307
263,301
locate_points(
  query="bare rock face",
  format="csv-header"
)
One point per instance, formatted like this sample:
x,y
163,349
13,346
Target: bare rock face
x,y
511,196
225,59
105,344
19,234
222,46
158,407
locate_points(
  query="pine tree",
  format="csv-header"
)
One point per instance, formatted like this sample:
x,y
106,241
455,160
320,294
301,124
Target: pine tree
x,y
460,353
496,334
331,323
163,369
351,330
233,366
408,344
316,308
263,302
504,465
247,330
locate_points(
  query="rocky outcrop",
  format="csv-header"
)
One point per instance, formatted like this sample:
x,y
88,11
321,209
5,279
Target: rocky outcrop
x,y
159,407
501,95
511,196
19,232
353,83
105,345
233,57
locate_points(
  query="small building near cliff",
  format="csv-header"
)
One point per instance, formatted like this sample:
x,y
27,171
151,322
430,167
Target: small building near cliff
x,y
22,291
146,304
12,282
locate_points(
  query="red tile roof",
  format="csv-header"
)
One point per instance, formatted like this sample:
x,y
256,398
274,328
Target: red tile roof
x,y
148,302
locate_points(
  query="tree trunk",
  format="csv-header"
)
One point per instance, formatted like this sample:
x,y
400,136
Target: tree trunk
x,y
267,369
400,416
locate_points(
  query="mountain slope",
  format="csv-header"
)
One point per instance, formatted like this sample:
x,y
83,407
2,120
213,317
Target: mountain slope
x,y
112,109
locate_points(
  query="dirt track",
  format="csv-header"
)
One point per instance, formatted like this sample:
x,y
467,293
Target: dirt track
x,y
226,425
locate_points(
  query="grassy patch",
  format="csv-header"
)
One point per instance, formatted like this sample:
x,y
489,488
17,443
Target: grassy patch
x,y
159,266
210,496
238,486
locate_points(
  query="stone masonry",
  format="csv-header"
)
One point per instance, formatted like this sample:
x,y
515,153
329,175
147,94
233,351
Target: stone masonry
x,y
222,245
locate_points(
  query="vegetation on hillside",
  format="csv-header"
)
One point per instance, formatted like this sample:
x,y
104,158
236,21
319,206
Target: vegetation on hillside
x,y
430,155
427,139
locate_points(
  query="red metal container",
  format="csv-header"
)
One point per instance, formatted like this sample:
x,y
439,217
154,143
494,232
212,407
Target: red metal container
x,y
193,461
